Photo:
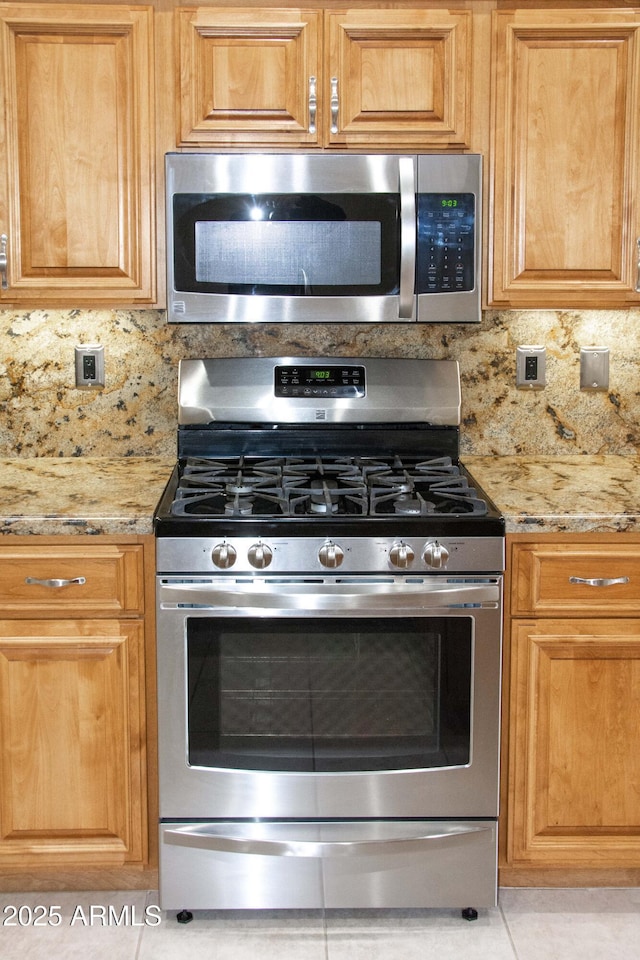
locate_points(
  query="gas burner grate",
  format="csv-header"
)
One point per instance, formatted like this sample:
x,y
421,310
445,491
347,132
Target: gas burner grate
x,y
320,487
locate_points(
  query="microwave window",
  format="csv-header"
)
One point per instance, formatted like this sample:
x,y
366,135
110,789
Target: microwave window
x,y
287,244
299,253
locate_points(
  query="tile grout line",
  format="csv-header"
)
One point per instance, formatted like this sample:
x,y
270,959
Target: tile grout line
x,y
508,930
325,931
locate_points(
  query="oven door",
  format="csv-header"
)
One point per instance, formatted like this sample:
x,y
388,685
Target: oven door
x,y
329,698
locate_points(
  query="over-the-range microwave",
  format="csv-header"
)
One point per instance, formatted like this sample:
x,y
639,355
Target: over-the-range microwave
x,y
323,238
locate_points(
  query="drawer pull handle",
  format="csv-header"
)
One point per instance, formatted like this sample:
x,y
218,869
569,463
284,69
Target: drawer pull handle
x,y
599,581
56,584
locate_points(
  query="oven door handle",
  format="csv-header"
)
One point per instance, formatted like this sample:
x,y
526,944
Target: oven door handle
x,y
335,597
206,837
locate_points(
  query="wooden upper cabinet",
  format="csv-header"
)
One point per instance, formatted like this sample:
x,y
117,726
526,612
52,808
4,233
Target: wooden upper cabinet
x,y
76,153
399,77
383,78
564,153
246,76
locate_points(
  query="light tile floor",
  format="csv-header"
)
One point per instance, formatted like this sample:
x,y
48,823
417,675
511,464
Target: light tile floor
x,y
533,924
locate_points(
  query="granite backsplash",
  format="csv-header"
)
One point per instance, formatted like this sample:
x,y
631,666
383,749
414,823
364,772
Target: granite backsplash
x,y
43,414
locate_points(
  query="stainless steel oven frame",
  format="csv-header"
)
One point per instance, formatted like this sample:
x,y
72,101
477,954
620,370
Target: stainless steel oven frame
x,y
267,839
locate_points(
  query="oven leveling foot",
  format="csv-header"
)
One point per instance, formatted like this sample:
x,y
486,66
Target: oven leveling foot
x,y
469,913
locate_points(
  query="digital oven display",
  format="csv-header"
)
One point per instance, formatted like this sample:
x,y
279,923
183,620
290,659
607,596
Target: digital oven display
x,y
330,380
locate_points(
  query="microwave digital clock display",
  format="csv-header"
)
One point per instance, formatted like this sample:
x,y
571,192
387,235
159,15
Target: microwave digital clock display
x,y
334,381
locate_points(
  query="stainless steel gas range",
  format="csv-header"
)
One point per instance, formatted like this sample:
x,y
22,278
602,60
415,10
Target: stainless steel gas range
x,y
329,592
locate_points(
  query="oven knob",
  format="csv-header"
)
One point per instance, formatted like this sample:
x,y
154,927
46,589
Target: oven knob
x,y
260,555
401,554
223,555
435,554
330,554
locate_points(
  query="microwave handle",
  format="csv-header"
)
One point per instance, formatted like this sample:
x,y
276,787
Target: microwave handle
x,y
407,237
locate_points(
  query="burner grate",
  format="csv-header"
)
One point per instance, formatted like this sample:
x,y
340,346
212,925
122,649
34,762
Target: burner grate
x,y
323,487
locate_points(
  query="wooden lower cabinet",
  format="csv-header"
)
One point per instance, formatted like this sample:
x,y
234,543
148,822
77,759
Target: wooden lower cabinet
x,y
71,719
76,681
571,764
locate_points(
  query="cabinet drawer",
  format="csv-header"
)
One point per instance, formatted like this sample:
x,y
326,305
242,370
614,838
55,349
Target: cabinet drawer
x,y
599,579
79,580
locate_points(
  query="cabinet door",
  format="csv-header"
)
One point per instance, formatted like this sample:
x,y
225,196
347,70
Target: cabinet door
x,y
76,153
566,115
72,742
398,77
574,759
248,76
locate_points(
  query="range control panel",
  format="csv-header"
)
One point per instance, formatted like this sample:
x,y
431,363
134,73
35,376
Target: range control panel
x,y
326,380
446,242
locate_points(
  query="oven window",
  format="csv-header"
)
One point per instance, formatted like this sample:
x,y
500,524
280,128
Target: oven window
x,y
328,695
284,244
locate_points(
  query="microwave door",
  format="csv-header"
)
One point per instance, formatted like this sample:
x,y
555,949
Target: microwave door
x,y
311,238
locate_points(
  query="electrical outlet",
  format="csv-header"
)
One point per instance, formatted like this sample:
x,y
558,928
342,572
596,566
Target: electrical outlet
x,y
531,367
89,365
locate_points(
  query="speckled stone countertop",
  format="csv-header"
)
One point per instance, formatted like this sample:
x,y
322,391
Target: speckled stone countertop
x,y
94,495
105,495
577,494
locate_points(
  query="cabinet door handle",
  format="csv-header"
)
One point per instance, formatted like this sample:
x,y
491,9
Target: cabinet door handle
x,y
56,584
313,104
638,266
599,581
3,261
335,104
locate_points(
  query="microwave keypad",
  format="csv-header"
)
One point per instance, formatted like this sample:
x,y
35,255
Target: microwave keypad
x,y
446,231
